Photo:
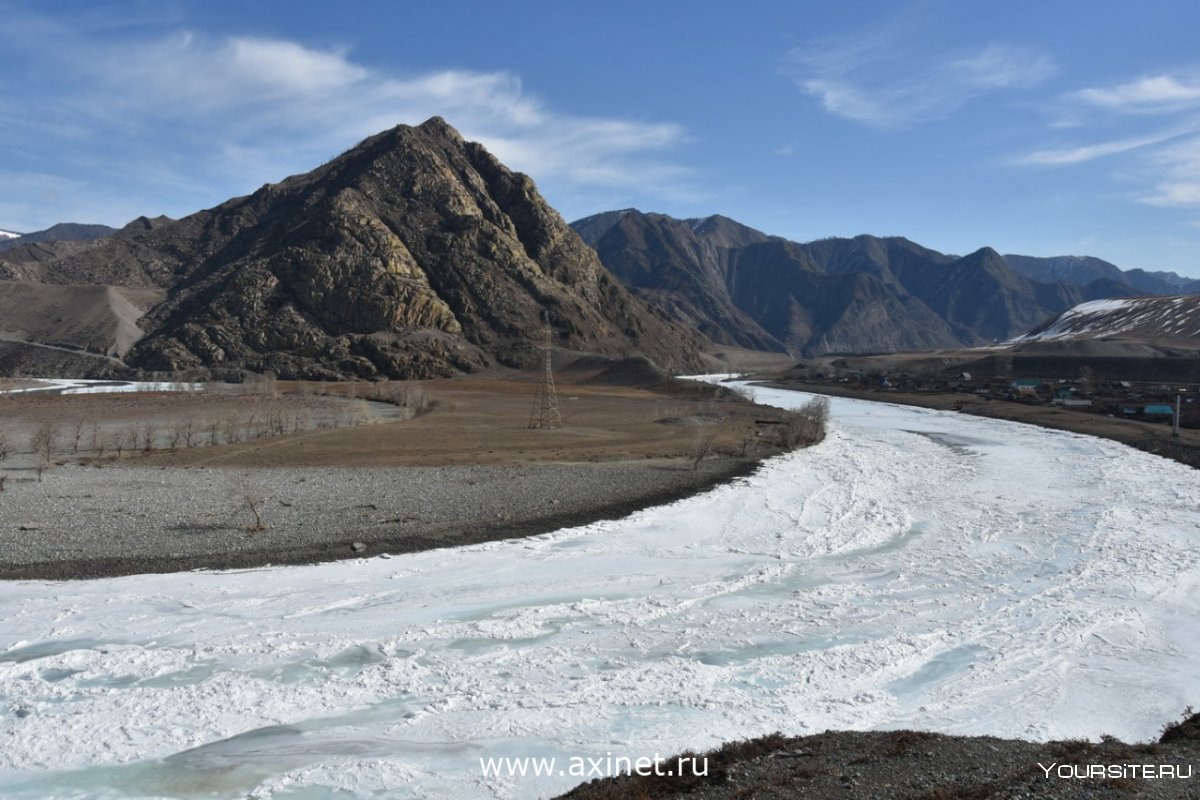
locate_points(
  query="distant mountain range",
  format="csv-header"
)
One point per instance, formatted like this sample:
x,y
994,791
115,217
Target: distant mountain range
x,y
62,232
1082,270
418,254
742,287
415,254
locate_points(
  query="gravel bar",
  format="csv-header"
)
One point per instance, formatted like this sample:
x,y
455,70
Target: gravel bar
x,y
93,522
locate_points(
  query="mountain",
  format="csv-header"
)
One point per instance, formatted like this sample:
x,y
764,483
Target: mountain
x,y
1083,270
62,232
680,267
1161,321
867,294
414,254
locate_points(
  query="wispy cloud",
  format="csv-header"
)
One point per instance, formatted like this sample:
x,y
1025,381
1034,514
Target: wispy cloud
x,y
252,110
1178,182
880,79
1153,95
1158,122
1088,152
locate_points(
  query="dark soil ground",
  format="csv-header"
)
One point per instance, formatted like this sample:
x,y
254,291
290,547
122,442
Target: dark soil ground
x,y
910,765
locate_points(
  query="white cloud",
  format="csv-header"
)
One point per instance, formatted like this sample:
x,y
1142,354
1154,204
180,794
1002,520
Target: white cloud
x,y
241,111
1168,159
1077,155
1155,94
1179,171
883,81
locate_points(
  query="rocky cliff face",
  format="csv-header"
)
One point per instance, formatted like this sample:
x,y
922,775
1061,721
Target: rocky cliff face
x,y
412,255
866,294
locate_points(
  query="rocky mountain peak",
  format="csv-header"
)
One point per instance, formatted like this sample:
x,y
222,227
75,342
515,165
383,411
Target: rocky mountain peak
x,y
415,253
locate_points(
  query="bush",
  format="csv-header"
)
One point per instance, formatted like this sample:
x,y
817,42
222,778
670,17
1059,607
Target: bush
x,y
806,425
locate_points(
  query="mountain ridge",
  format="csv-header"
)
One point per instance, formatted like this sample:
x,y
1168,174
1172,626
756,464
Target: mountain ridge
x,y
744,287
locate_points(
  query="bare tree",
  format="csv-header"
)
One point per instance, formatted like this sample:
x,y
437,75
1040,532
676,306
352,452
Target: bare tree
x,y
79,426
149,432
175,434
43,439
253,497
806,425
702,447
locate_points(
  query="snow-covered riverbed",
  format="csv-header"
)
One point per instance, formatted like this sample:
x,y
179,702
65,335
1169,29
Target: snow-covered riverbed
x,y
917,569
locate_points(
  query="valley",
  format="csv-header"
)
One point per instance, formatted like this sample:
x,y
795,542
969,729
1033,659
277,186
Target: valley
x,y
897,575
179,478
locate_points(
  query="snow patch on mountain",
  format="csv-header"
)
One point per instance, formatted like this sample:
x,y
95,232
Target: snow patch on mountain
x,y
1098,319
9,235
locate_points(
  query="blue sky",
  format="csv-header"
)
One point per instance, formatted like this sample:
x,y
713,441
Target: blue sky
x,y
1036,128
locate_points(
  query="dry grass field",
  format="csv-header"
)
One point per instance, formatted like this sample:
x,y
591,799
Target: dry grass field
x,y
107,484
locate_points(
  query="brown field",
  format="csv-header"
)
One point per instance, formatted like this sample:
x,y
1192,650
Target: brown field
x,y
486,421
458,464
460,421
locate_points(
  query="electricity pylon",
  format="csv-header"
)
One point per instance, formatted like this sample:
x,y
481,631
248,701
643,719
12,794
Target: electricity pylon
x,y
545,412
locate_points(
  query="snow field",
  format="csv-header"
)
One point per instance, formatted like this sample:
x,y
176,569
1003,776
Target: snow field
x,y
917,569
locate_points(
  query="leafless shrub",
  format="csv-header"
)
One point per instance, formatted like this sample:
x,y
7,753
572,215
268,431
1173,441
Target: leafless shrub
x,y
43,439
806,425
78,431
131,439
175,434
359,412
416,401
149,432
702,447
264,385
253,496
230,427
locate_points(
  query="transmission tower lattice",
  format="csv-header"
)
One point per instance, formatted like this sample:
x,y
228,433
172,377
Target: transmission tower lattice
x,y
545,412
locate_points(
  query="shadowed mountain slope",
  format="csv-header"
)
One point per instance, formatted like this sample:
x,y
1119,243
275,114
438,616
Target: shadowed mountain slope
x,y
867,294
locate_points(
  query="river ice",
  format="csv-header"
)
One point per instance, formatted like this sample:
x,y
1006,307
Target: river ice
x,y
917,569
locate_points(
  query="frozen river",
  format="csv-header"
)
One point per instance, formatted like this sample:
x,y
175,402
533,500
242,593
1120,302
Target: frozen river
x,y
917,569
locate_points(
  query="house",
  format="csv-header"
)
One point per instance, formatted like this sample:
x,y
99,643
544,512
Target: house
x,y
1025,388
